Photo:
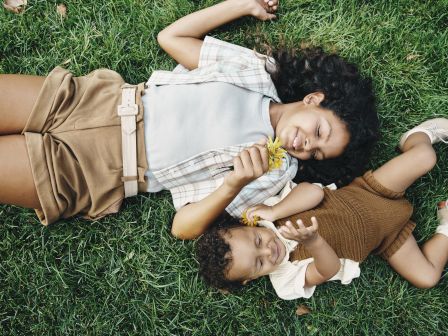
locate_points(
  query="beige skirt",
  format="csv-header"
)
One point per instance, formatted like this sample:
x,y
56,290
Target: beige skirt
x,y
73,136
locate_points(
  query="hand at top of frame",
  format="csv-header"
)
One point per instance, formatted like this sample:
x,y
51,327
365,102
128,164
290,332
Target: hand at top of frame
x,y
264,9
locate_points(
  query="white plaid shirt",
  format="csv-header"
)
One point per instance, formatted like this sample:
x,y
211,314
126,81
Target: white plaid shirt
x,y
195,178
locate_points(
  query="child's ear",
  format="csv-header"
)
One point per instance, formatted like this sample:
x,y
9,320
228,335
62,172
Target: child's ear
x,y
314,98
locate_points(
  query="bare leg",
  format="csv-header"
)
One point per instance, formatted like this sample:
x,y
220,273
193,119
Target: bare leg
x,y
417,159
422,268
18,93
16,179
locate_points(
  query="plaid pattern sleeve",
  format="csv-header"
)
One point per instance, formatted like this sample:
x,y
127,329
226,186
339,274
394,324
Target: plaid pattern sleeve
x,y
214,50
194,179
221,61
254,193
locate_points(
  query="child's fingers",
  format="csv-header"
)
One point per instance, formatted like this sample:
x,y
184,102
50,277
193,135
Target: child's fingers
x,y
307,232
263,154
285,230
237,164
300,224
282,231
262,142
292,229
297,232
284,226
250,213
271,3
301,233
315,225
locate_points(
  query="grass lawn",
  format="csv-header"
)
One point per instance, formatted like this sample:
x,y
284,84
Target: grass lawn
x,y
125,274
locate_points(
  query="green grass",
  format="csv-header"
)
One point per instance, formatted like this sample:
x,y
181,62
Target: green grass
x,y
125,274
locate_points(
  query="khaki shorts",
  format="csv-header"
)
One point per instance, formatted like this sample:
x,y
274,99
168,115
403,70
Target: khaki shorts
x,y
73,136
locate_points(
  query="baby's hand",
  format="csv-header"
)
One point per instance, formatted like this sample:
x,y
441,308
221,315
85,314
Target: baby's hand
x,y
304,235
262,211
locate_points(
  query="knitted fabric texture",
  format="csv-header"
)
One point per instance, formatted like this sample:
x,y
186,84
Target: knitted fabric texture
x,y
359,219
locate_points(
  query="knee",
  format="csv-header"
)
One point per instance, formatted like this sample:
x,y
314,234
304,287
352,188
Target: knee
x,y
426,281
163,37
426,158
175,233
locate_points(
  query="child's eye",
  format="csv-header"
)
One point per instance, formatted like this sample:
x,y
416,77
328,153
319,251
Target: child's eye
x,y
318,131
258,241
260,264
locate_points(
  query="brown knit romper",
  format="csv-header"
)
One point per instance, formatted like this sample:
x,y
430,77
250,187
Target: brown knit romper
x,y
359,219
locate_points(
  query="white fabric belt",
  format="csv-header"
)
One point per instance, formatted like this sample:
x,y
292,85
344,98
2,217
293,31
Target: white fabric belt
x,y
127,112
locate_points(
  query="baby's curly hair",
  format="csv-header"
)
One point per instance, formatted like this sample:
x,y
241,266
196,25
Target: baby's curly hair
x,y
213,254
347,94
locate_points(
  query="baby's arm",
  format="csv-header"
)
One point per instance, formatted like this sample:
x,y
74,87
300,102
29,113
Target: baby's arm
x,y
304,196
326,263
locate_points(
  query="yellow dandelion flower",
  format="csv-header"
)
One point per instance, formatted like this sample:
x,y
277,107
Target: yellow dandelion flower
x,y
247,221
276,153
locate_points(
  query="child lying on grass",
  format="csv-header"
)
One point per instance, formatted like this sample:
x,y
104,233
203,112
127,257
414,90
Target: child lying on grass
x,y
370,215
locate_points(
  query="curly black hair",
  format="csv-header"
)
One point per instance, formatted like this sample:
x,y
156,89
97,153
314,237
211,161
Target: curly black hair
x,y
212,253
349,95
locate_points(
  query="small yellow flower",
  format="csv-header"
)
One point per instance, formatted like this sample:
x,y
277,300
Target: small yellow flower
x,y
276,153
248,222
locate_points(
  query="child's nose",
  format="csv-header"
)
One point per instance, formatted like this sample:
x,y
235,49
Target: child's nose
x,y
266,252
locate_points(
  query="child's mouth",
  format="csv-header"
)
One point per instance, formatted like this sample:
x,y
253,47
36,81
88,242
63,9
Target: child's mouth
x,y
277,252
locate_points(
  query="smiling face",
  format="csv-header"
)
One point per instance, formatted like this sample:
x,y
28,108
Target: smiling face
x,y
255,252
308,131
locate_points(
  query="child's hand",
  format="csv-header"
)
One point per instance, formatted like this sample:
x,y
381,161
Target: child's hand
x,y
249,165
304,235
264,9
262,211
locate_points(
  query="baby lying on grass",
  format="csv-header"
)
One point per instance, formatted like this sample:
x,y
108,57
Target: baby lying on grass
x,y
370,215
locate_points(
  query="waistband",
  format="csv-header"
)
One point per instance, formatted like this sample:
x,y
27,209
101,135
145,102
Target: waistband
x,y
128,110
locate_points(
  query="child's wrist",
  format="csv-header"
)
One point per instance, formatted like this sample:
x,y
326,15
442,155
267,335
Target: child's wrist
x,y
243,7
274,213
230,188
313,243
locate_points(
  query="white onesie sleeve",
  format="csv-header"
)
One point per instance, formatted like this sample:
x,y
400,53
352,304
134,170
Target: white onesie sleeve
x,y
288,279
